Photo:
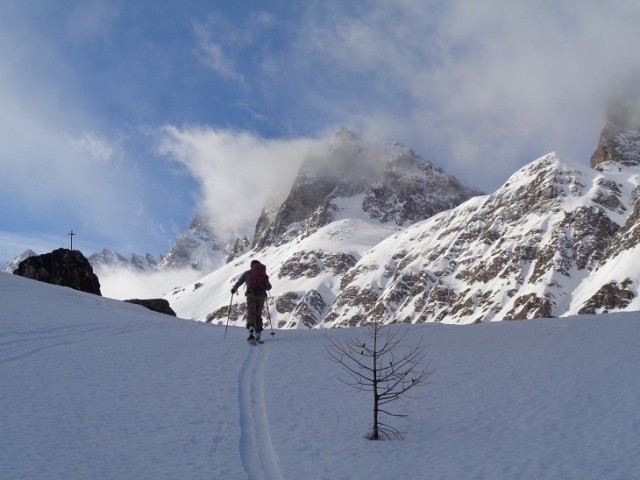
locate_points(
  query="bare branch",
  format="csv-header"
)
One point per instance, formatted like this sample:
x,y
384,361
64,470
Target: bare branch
x,y
376,366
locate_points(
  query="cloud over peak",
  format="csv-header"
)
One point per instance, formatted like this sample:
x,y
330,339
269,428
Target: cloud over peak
x,y
236,171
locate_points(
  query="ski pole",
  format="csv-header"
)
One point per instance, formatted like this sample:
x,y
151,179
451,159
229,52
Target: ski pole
x,y
269,315
228,315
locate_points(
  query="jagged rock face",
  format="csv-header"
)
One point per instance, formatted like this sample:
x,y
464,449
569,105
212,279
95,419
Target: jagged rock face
x,y
612,296
312,264
110,259
341,171
510,255
61,267
628,236
196,248
620,139
411,189
159,305
237,248
390,185
303,200
310,310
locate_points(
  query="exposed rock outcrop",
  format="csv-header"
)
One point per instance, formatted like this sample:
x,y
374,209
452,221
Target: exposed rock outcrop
x,y
64,267
620,138
389,184
159,305
198,248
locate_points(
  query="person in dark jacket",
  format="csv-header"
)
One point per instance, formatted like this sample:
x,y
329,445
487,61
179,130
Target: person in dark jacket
x,y
257,285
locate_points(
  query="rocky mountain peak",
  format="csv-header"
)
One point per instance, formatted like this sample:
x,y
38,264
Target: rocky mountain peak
x,y
386,183
346,159
343,133
411,189
620,138
556,239
109,259
13,264
198,248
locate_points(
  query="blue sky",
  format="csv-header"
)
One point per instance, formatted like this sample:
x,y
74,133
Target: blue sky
x,y
122,119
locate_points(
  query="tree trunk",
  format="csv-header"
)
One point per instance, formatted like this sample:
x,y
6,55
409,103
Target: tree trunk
x,y
375,434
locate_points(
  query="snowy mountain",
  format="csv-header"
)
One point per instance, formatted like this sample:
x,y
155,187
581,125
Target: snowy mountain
x,y
375,232
96,388
197,247
556,239
110,259
348,181
343,202
386,183
620,138
544,244
12,265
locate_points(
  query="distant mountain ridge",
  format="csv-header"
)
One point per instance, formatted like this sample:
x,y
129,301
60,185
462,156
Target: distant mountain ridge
x,y
556,239
110,259
532,249
374,232
13,264
197,248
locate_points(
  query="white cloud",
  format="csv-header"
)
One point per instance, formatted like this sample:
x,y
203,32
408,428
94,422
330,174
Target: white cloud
x,y
487,86
127,284
222,46
213,55
97,148
479,87
237,171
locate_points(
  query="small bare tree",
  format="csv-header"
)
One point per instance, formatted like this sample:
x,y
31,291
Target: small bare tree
x,y
384,366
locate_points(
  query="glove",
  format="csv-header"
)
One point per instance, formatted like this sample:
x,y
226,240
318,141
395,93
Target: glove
x,y
233,291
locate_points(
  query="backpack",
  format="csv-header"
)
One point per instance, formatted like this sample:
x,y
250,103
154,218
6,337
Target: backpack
x,y
258,279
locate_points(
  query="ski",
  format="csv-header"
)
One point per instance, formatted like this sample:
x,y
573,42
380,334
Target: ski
x,y
254,342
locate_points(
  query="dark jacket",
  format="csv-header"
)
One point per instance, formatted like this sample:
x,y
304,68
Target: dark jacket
x,y
244,278
256,278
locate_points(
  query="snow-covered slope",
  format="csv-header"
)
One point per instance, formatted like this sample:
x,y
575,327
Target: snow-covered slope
x,y
556,239
305,273
197,247
343,202
544,244
95,388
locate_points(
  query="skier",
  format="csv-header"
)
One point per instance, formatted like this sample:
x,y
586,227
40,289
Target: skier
x,y
257,282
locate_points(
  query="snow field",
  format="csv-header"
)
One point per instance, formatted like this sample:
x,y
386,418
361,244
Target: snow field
x,y
94,388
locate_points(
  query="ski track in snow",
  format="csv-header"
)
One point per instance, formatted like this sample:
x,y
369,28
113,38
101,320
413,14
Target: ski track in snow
x,y
18,345
258,455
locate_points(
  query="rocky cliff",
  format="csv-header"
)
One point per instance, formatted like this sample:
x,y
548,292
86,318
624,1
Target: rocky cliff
x,y
64,267
389,184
